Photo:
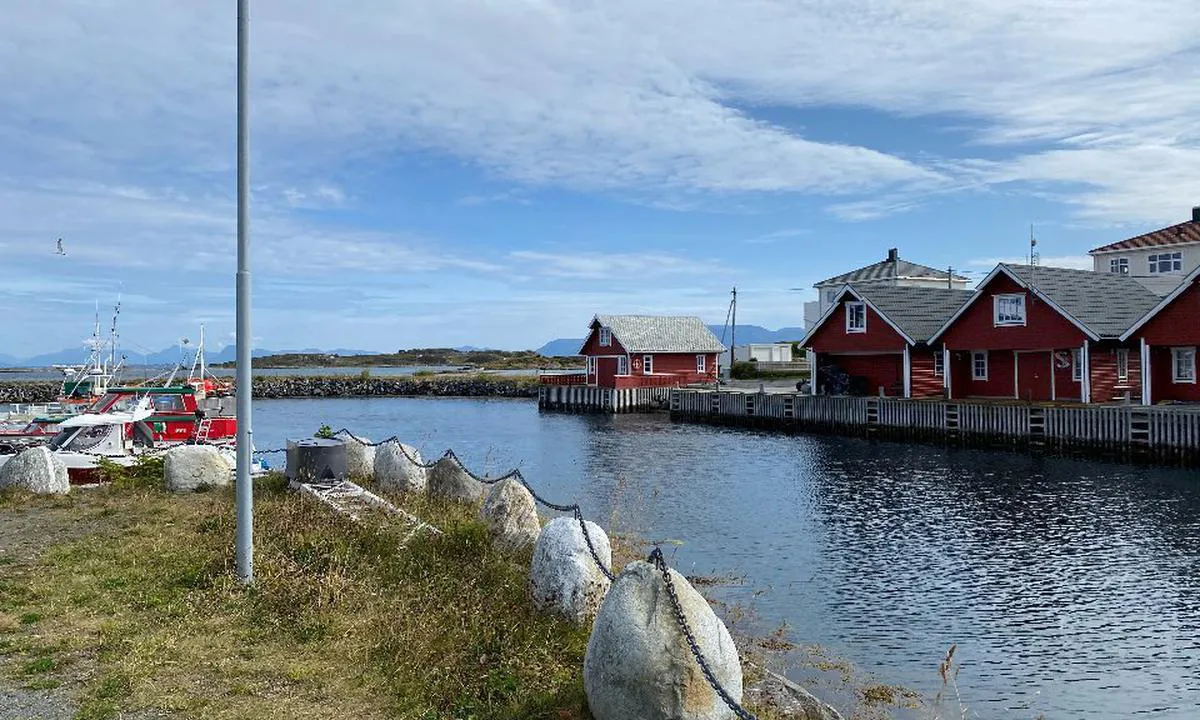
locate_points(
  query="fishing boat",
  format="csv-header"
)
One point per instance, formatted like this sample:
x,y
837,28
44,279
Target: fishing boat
x,y
129,423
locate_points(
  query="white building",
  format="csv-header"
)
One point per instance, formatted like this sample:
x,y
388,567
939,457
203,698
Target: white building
x,y
1169,253
760,352
892,271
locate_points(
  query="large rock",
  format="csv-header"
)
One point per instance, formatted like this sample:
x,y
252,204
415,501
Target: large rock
x,y
563,576
511,515
399,467
360,456
449,479
638,664
187,468
789,699
37,470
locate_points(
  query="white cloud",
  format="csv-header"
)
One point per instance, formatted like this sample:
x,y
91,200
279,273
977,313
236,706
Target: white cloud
x,y
612,267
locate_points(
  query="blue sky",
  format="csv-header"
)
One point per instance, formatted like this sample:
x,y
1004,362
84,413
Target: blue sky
x,y
430,173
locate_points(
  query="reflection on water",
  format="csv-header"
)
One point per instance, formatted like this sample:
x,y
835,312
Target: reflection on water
x,y
1071,588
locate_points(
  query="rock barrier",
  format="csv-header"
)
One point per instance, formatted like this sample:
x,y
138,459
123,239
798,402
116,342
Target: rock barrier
x,y
188,468
638,663
563,577
37,470
397,467
511,516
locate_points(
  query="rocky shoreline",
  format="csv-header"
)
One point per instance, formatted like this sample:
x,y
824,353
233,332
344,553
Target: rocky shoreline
x,y
297,386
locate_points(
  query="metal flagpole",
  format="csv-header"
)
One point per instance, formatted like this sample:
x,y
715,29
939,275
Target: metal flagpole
x,y
245,447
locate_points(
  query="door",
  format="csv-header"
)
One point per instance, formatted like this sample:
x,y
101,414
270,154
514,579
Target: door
x,y
1033,376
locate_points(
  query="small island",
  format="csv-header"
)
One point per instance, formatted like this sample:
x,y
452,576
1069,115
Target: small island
x,y
422,357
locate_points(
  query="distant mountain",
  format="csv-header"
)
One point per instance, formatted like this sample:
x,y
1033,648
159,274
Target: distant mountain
x,y
742,334
169,356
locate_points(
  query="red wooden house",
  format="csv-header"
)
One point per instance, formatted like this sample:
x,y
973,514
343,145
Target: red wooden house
x,y
631,351
874,339
1167,338
1043,333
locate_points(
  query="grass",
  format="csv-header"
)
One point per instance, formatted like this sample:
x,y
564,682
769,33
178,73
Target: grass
x,y
137,608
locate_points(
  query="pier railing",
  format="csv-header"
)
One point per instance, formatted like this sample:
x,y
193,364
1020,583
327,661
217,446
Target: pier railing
x,y
568,377
1161,433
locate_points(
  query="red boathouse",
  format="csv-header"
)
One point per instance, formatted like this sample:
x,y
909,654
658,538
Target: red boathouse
x,y
874,339
1168,337
1043,333
645,351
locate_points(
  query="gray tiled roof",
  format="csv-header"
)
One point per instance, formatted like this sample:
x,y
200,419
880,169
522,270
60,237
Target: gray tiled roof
x,y
660,333
1161,285
1107,303
918,311
884,270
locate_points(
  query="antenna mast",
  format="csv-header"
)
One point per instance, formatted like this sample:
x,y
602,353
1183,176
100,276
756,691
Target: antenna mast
x,y
733,334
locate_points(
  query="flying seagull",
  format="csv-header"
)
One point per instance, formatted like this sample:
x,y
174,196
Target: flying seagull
x,y
60,248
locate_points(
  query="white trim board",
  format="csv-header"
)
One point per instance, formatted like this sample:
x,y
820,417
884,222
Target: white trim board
x,y
837,302
1162,304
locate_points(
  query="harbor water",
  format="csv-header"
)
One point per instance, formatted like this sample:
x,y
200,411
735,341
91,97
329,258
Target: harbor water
x,y
1072,589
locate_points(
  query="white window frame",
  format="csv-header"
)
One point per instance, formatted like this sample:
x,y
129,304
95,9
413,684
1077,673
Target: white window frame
x,y
622,364
605,337
975,355
647,364
1174,262
997,300
1077,365
939,364
591,364
1183,358
701,363
1122,364
831,297
1119,266
849,316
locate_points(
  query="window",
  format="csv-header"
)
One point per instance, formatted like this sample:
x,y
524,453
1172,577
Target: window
x,y
623,365
1183,365
1077,365
979,365
1119,266
701,363
1122,364
591,365
1166,263
856,317
939,364
1008,310
648,364
605,337
830,296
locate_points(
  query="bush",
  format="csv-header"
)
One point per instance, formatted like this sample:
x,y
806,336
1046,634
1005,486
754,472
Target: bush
x,y
743,371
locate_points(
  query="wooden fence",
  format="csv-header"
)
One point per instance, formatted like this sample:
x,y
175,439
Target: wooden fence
x,y
1167,434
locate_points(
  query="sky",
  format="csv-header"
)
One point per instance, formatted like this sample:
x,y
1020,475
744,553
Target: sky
x,y
495,172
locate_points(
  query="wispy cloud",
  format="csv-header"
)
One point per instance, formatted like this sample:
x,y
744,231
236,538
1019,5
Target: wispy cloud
x,y
614,267
1078,262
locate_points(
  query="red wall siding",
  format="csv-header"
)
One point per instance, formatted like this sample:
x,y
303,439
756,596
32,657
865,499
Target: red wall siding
x,y
833,338
591,346
1000,376
1044,327
1161,387
924,383
1177,323
882,369
1105,385
685,364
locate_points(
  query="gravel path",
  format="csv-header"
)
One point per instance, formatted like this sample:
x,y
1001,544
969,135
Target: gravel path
x,y
20,704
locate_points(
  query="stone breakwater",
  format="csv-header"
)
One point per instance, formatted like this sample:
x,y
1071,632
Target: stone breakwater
x,y
284,386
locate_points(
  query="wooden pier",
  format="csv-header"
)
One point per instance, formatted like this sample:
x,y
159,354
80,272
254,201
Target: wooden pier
x,y
589,398
1158,434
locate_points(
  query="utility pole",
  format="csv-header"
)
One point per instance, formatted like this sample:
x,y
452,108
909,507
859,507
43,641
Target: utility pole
x,y
245,446
733,335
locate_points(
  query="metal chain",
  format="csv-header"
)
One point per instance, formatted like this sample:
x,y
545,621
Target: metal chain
x,y
656,559
515,474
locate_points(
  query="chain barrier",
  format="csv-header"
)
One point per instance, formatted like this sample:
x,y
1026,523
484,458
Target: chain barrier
x,y
656,559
